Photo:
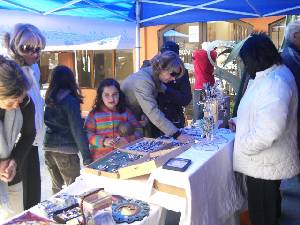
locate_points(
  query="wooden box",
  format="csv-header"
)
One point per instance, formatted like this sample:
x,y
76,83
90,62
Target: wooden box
x,y
92,168
147,162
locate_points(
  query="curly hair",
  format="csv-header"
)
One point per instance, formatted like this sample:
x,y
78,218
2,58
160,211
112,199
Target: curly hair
x,y
121,106
13,81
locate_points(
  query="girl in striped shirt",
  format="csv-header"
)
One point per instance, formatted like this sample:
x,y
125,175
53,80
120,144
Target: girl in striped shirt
x,y
102,123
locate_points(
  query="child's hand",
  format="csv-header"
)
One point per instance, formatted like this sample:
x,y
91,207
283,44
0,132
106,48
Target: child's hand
x,y
121,141
109,142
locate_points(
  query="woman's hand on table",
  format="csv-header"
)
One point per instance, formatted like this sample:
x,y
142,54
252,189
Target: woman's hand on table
x,y
184,138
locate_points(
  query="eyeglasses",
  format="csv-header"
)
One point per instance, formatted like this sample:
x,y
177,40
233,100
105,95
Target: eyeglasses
x,y
175,74
27,49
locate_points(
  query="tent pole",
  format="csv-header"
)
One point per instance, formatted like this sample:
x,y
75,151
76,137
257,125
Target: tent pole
x,y
137,35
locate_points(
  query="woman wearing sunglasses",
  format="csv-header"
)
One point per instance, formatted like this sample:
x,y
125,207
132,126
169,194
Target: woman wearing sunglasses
x,y
141,90
24,45
16,117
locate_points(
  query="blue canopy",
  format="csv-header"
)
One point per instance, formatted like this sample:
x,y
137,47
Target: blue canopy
x,y
154,12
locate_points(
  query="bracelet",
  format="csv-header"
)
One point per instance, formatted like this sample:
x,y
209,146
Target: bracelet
x,y
176,134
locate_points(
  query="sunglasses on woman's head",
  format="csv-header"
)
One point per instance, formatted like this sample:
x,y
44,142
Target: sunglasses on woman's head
x,y
27,49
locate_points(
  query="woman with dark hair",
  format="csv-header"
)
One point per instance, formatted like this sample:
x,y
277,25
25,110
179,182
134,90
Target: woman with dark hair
x,y
142,88
16,117
265,148
65,135
24,45
102,123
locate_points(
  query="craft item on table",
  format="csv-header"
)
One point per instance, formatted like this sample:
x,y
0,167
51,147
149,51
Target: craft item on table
x,y
211,145
207,126
146,146
195,132
116,198
177,164
154,147
95,202
223,131
57,203
88,192
29,218
68,215
102,217
64,200
95,206
215,104
114,160
129,211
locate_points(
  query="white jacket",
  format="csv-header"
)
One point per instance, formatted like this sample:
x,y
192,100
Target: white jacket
x,y
266,127
33,74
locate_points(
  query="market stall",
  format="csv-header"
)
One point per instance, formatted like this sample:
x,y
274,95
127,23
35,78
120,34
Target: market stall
x,y
206,193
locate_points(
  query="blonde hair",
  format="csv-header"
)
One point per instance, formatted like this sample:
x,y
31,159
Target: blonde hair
x,y
291,29
168,61
23,34
13,81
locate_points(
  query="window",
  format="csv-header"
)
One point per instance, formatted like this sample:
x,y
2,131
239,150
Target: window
x,y
124,64
276,32
47,62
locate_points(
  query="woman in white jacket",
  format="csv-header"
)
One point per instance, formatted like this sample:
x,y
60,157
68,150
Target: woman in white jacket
x,y
265,148
24,45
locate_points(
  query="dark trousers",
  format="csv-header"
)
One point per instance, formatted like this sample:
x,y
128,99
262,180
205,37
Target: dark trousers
x,y
264,201
63,168
32,179
197,109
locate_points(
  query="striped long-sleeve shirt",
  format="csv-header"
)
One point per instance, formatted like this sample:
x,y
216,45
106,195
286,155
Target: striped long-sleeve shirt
x,y
104,124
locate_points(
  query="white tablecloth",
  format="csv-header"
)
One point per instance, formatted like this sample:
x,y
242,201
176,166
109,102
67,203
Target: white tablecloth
x,y
132,188
212,194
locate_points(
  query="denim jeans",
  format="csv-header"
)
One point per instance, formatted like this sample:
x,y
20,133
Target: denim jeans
x,y
197,109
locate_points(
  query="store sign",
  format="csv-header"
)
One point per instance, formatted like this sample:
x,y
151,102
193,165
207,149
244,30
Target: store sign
x,y
193,33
